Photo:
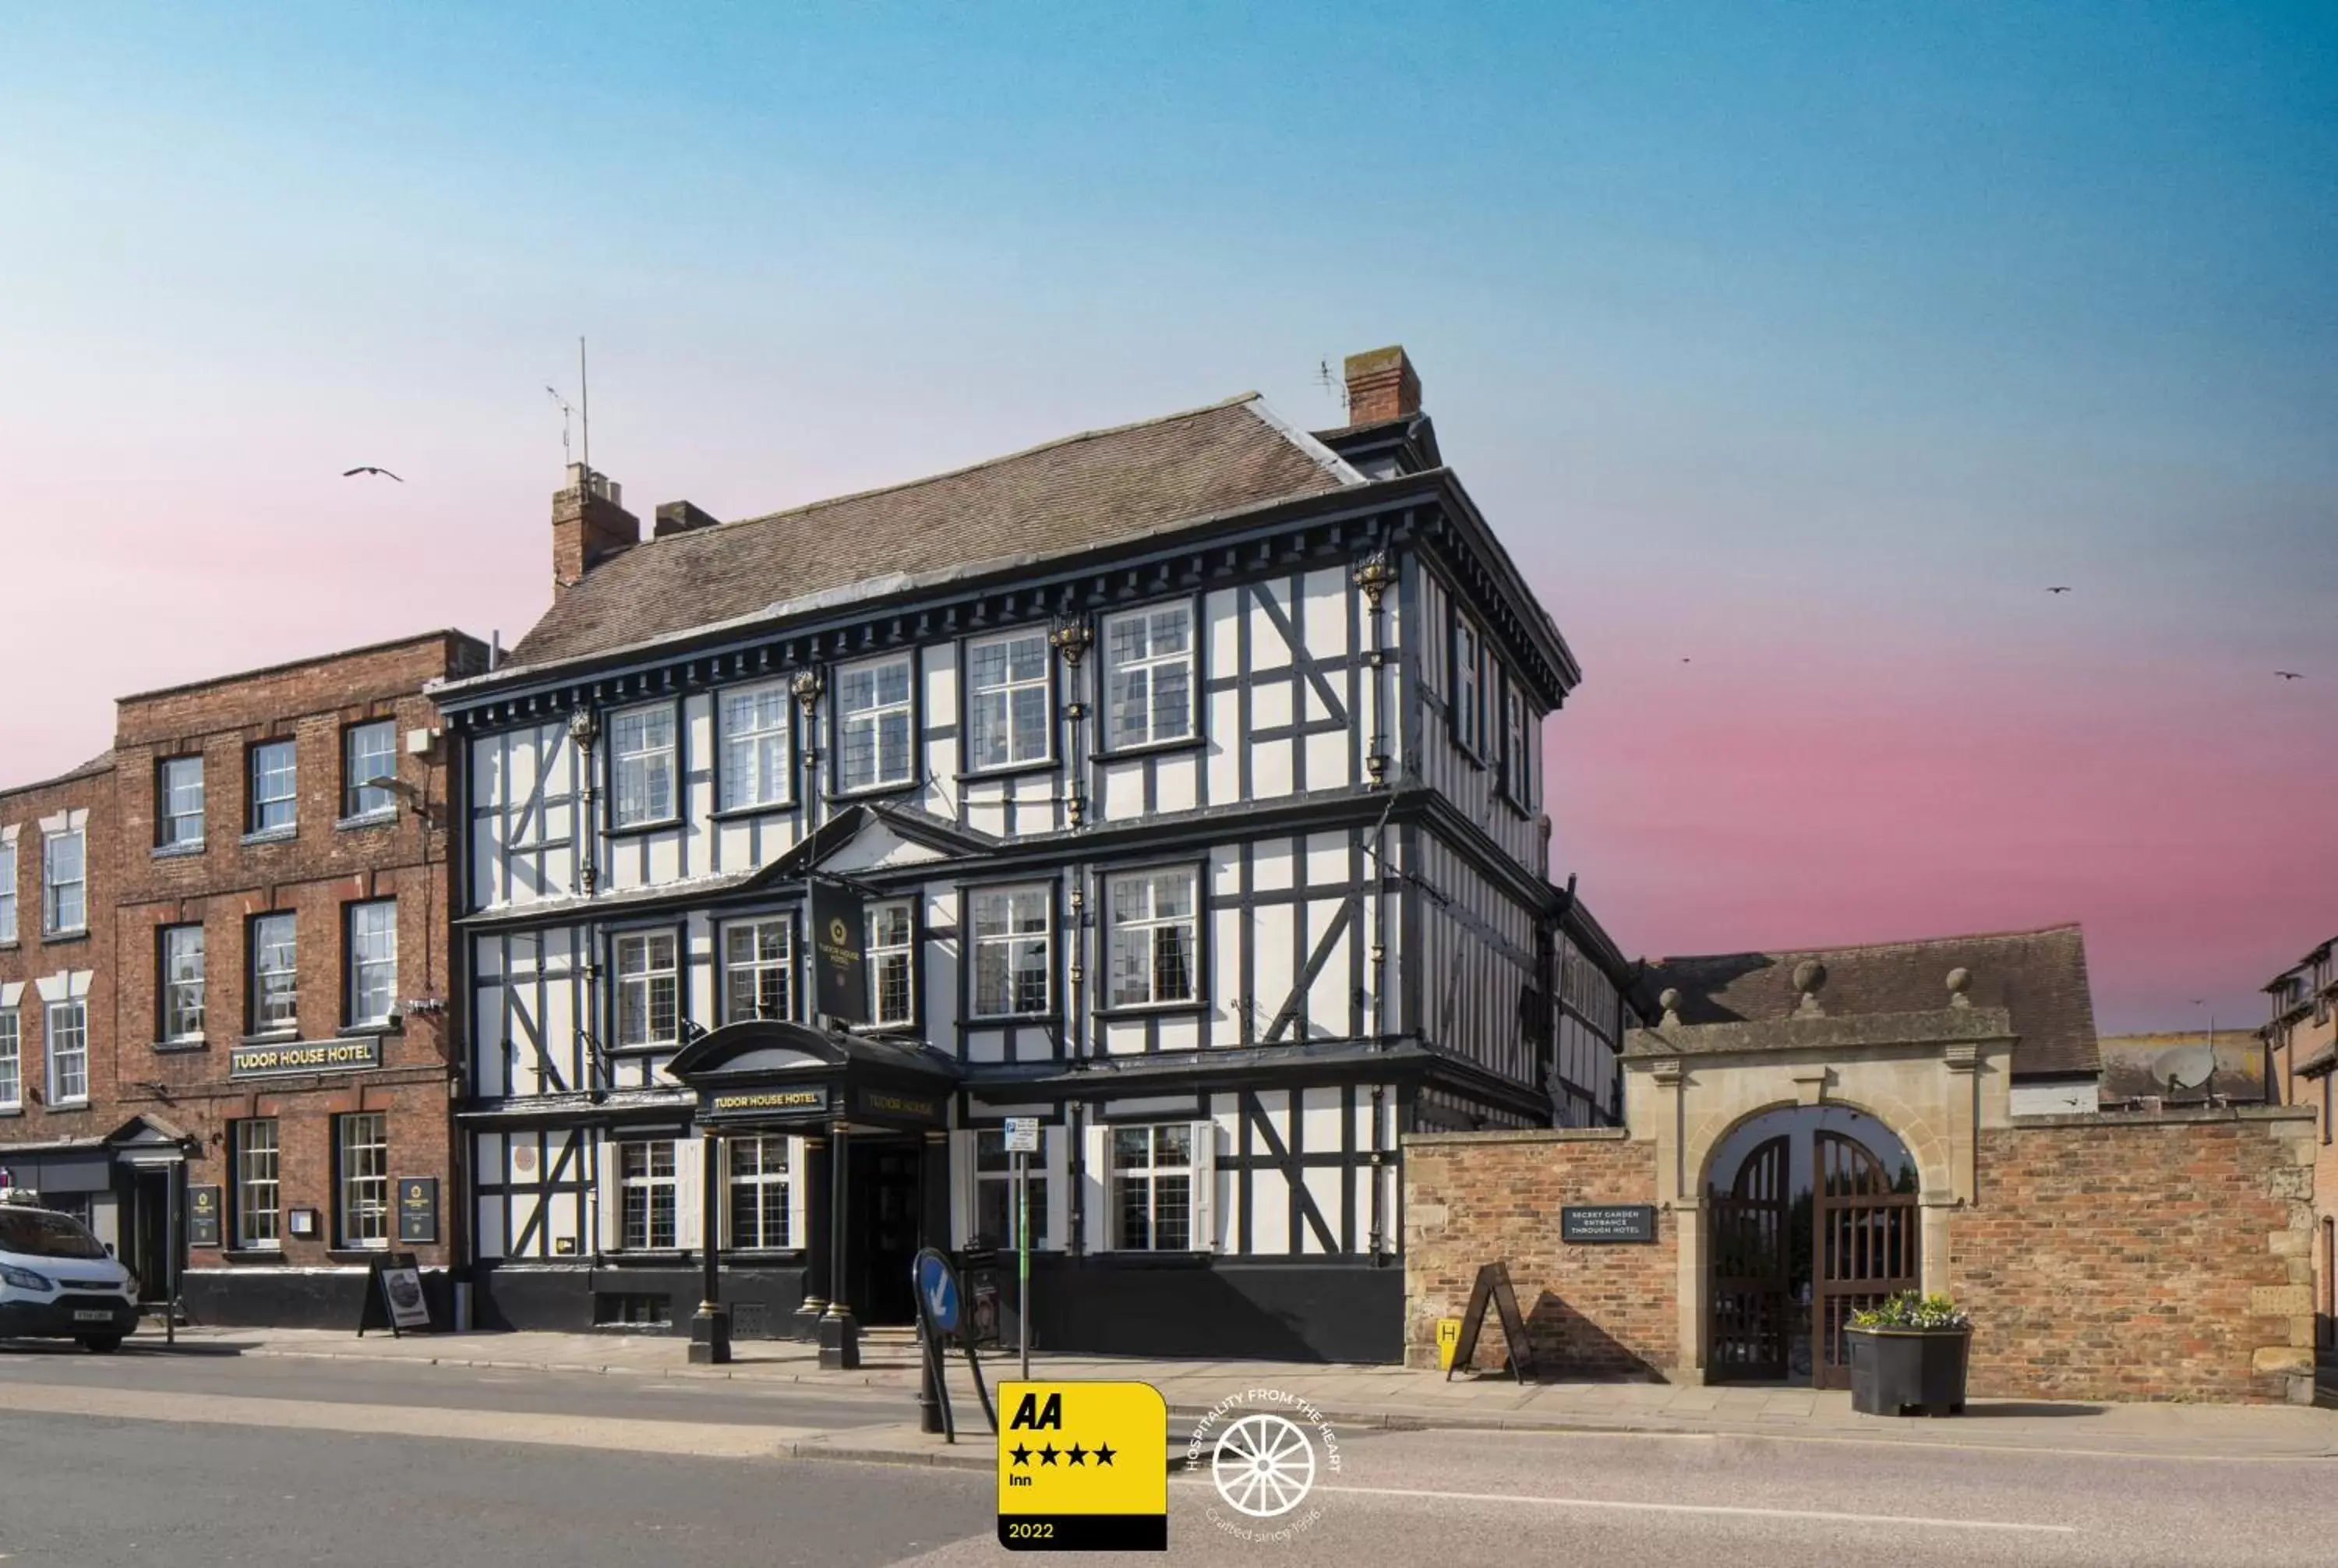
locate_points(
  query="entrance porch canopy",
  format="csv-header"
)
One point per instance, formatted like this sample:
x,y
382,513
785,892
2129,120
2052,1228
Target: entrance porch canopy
x,y
764,1073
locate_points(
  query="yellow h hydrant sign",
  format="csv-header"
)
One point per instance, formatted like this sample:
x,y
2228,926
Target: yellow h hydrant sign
x,y
1449,1339
1082,1467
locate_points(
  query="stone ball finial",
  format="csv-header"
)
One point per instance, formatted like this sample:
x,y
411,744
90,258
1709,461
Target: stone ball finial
x,y
1669,1000
1959,982
1809,976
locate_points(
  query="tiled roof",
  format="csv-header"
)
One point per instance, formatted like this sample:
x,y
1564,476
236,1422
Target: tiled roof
x,y
101,764
1069,495
2038,977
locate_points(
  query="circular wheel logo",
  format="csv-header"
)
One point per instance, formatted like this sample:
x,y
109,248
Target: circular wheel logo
x,y
1263,1466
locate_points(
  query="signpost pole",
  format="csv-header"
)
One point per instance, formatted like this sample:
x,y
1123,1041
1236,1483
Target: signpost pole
x,y
1023,1257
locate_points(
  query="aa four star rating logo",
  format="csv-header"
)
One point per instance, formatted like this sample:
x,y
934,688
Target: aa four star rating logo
x,y
1083,1467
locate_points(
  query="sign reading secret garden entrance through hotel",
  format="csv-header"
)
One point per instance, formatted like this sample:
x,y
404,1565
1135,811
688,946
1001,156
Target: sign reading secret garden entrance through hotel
x,y
1607,1223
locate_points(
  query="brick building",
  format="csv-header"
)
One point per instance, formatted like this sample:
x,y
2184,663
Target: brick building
x,y
56,974
264,977
2300,1062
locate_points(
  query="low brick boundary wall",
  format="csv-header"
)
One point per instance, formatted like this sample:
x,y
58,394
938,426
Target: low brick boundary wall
x,y
2120,1257
2108,1257
1591,1311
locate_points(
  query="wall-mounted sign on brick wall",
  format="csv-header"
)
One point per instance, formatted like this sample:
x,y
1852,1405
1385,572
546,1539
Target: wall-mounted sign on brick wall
x,y
354,1054
1607,1223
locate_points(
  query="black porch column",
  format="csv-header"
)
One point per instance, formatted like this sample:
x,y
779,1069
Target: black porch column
x,y
933,1219
840,1336
710,1327
815,1249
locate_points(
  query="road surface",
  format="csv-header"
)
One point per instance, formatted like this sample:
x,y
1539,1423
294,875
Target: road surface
x,y
195,1461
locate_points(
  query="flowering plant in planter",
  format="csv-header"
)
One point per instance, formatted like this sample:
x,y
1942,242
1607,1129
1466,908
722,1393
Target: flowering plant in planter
x,y
1908,1353
1911,1309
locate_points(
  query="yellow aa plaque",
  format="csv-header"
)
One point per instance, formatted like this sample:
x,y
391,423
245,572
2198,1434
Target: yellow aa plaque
x,y
1082,1467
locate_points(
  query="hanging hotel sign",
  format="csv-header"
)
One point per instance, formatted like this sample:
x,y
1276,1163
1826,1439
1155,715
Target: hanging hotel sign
x,y
839,978
748,1104
1591,1222
354,1054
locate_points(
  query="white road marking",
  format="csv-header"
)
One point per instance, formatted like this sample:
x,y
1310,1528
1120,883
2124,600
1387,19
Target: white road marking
x,y
1713,1508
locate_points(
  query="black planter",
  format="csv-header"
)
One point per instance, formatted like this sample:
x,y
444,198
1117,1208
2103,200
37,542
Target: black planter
x,y
1896,1370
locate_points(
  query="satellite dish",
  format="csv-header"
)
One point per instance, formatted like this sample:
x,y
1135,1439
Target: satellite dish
x,y
2185,1067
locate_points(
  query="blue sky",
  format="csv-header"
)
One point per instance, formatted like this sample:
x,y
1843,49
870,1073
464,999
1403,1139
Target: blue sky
x,y
1808,342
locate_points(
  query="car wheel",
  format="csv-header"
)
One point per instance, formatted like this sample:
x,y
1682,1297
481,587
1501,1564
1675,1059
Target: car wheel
x,y
101,1344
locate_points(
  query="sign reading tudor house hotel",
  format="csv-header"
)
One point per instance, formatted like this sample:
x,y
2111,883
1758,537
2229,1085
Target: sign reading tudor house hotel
x,y
355,1054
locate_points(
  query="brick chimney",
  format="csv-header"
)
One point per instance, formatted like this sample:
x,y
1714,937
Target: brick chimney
x,y
679,517
589,522
1381,386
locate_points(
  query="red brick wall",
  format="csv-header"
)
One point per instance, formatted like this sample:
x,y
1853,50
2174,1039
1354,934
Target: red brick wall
x,y
33,955
1477,1198
2134,1258
315,874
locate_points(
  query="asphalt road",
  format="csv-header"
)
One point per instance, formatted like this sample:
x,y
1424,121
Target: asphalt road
x,y
84,1491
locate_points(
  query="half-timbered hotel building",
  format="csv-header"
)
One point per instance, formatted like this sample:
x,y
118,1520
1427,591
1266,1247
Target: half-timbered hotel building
x,y
1184,783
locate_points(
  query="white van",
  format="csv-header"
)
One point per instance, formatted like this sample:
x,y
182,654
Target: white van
x,y
57,1281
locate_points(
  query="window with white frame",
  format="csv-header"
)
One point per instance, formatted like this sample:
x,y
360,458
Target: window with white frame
x,y
8,890
64,883
649,992
66,1025
275,974
1469,695
759,969
1148,656
645,1195
274,787
373,962
756,724
873,710
179,802
1156,937
256,1206
641,766
368,754
1006,700
994,1190
1153,1188
362,1150
892,964
183,983
12,1061
1011,943
759,1193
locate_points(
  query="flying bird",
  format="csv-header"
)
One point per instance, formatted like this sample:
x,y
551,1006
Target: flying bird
x,y
384,472
2057,590
2289,674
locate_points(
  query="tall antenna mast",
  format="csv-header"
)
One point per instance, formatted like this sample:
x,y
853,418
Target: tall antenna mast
x,y
584,389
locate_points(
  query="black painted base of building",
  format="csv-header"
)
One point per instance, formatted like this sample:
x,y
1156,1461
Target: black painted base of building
x,y
1172,1306
265,1297
575,1297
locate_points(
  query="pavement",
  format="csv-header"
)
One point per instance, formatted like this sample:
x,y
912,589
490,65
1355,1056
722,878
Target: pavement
x,y
1351,1397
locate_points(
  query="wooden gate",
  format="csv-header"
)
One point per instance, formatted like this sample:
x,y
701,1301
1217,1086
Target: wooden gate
x,y
1867,1247
1750,1260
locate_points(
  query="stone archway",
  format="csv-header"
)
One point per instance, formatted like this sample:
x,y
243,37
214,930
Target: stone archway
x,y
1935,1079
1811,1213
